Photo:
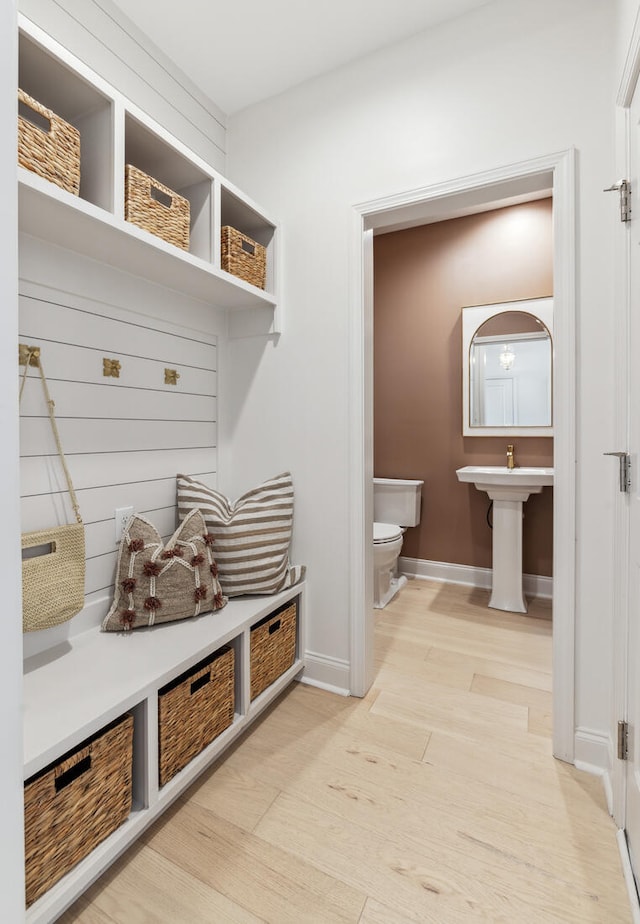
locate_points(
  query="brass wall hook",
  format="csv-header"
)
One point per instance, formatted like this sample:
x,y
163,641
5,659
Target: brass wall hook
x,y
28,354
111,367
171,376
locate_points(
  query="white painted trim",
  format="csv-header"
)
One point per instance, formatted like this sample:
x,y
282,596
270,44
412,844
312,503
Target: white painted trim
x,y
629,879
593,751
338,691
327,673
534,585
437,202
608,790
444,198
361,459
631,70
564,443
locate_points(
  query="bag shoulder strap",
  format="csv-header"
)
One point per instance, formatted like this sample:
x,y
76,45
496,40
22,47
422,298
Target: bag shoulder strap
x,y
50,407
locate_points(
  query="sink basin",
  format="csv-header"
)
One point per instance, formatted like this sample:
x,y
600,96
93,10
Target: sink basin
x,y
508,488
519,479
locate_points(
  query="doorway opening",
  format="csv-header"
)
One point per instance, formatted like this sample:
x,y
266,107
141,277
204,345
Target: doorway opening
x,y
548,176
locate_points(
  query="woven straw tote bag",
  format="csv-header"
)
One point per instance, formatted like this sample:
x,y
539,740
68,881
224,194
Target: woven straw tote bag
x,y
53,560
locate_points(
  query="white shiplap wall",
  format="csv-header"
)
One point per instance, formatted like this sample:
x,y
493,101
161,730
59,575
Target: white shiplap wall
x,y
125,438
100,35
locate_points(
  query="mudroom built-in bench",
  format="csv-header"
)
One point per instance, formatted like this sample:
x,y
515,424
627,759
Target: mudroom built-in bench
x,y
75,691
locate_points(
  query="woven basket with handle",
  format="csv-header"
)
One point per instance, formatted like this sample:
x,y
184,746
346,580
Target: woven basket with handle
x,y
156,208
47,145
243,256
74,804
193,710
273,647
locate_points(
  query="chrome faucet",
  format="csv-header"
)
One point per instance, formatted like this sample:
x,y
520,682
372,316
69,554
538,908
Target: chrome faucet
x,y
510,460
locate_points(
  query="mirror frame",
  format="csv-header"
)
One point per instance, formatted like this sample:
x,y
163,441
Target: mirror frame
x,y
473,317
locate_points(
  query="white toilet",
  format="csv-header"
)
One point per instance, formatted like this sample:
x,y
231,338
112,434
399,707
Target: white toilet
x,y
396,505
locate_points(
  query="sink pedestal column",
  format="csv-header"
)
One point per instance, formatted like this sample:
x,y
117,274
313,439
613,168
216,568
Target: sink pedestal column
x,y
508,488
506,587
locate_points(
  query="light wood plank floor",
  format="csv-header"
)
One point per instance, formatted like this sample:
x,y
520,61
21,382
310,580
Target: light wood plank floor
x,y
433,799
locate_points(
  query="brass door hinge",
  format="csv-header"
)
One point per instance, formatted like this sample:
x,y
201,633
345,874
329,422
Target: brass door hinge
x,y
623,740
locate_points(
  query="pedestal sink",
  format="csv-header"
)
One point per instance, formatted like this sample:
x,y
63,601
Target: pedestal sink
x,y
508,488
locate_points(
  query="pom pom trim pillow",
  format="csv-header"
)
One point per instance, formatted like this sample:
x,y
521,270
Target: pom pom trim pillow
x,y
252,535
157,582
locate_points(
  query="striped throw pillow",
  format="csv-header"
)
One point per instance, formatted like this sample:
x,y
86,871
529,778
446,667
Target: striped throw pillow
x,y
251,535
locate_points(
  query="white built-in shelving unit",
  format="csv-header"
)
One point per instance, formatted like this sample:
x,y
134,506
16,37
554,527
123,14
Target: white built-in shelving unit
x,y
74,690
115,132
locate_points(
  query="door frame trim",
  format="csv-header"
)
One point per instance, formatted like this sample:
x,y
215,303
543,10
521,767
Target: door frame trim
x,y
463,195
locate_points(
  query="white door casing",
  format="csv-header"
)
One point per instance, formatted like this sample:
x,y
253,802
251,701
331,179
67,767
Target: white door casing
x,y
439,202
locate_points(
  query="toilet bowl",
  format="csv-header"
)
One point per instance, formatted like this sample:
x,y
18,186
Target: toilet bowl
x,y
387,543
396,505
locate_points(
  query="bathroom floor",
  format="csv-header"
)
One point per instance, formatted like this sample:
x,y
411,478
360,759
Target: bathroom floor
x,y
433,799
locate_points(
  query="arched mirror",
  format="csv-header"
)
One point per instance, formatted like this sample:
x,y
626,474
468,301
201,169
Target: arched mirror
x,y
507,369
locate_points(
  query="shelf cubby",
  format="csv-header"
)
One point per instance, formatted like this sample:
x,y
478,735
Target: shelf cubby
x,y
159,160
115,132
241,215
74,99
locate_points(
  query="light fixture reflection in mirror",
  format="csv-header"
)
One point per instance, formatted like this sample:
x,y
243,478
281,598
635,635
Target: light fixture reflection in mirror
x,y
508,368
507,357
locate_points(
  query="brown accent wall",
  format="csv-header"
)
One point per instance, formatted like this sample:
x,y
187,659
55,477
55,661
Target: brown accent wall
x,y
423,277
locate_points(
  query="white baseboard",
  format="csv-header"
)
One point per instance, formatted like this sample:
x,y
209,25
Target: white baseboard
x,y
593,753
332,674
535,585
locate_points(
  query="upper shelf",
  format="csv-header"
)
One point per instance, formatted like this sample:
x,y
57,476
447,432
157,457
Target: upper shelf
x,y
113,133
55,215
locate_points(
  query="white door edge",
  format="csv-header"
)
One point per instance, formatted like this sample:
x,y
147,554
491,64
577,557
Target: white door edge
x,y
622,303
628,875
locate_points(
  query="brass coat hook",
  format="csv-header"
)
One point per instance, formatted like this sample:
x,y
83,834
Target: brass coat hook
x,y
111,367
28,354
171,376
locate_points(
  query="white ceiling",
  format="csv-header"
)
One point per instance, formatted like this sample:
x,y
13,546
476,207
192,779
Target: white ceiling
x,y
245,51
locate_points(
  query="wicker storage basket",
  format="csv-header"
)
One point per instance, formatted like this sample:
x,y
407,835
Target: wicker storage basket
x,y
74,804
156,208
273,646
193,710
243,257
47,144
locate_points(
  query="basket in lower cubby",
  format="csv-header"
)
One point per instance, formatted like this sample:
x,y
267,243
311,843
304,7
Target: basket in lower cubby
x,y
273,646
75,803
193,710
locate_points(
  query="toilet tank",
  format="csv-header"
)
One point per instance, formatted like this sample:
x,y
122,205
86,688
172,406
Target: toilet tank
x,y
396,500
